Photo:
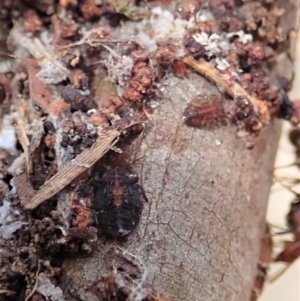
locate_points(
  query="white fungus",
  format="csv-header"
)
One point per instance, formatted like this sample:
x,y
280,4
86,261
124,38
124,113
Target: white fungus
x,y
243,37
49,290
210,42
221,64
145,41
118,68
166,26
8,136
18,166
8,223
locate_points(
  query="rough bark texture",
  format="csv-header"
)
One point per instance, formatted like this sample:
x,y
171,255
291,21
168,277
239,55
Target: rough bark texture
x,y
199,235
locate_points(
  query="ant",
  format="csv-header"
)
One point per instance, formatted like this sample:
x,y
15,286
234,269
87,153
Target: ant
x,y
291,250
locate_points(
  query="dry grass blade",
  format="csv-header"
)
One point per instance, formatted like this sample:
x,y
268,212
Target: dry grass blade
x,y
20,124
7,292
211,73
74,168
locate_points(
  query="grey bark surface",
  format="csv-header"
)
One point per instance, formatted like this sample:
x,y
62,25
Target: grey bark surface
x,y
199,234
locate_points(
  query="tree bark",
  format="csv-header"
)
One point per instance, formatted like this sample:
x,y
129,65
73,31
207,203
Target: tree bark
x,y
200,232
199,236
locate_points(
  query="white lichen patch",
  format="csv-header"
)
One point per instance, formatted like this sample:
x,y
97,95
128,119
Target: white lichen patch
x,y
52,70
8,138
166,26
9,220
202,15
49,290
243,37
146,41
162,28
18,166
211,43
118,68
221,64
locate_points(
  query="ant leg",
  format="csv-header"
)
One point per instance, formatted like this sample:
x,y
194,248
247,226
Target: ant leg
x,y
273,278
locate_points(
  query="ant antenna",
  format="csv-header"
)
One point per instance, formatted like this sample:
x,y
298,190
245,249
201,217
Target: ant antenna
x,y
273,278
288,165
138,159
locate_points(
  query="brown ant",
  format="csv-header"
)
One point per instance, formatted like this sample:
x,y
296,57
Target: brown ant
x,y
291,250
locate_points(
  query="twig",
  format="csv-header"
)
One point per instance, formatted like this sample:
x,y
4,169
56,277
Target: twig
x,y
211,73
95,38
36,281
20,122
7,292
20,127
85,40
74,168
144,275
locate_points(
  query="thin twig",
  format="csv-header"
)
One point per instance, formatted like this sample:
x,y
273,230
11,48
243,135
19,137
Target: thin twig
x,y
85,40
36,282
144,275
7,292
211,73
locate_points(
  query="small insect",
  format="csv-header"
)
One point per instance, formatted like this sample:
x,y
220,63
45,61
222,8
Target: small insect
x,y
118,201
291,249
201,112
